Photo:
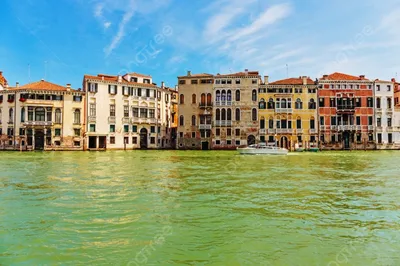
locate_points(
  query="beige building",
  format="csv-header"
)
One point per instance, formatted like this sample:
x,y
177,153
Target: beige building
x,y
126,112
41,116
195,111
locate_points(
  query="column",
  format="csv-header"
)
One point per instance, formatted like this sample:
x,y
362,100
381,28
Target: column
x,y
33,138
97,142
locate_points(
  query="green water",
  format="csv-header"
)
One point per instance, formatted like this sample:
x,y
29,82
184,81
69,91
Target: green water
x,y
199,208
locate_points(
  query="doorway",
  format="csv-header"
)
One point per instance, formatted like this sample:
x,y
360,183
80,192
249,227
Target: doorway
x,y
204,145
39,140
284,142
346,140
143,138
92,142
251,140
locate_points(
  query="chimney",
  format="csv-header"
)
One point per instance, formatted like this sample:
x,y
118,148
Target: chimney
x,y
189,73
119,78
42,79
1,73
162,85
176,87
17,84
362,76
393,80
68,85
246,71
266,79
304,80
102,78
325,76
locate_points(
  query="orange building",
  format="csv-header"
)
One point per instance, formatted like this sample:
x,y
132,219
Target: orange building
x,y
346,112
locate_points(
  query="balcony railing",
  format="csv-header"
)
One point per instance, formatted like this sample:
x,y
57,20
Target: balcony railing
x,y
125,120
346,127
223,103
143,120
38,123
204,126
379,129
223,123
299,130
284,110
389,111
313,131
111,119
263,131
378,111
389,129
205,105
284,130
370,128
271,131
92,119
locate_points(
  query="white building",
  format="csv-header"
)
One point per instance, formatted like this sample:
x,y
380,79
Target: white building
x,y
386,119
126,112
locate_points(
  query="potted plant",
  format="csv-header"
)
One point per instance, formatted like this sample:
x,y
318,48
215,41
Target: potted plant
x,y
22,100
11,100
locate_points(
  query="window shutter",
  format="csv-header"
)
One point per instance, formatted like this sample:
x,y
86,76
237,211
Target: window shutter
x,y
109,89
116,89
95,87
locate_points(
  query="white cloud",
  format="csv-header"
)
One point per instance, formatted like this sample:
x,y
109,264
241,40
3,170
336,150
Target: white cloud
x,y
107,24
98,10
177,59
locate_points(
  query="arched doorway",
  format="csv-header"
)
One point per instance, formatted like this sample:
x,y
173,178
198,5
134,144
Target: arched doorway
x,y
251,140
284,142
143,138
39,139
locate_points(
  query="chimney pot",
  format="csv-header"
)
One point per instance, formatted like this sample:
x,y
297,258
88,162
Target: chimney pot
x,y
266,79
17,84
42,79
189,73
304,80
362,76
68,85
1,73
119,78
162,84
325,76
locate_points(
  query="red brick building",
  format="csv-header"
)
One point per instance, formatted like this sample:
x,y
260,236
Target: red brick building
x,y
346,112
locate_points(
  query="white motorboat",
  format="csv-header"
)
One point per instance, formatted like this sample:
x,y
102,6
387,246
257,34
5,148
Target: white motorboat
x,y
263,149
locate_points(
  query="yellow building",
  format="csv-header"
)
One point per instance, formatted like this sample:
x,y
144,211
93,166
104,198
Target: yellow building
x,y
288,112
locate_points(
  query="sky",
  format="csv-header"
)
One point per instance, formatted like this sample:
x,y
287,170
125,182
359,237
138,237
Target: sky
x,y
63,40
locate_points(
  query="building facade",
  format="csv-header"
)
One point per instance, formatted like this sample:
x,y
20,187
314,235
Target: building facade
x,y
346,112
125,112
41,116
235,112
288,113
195,111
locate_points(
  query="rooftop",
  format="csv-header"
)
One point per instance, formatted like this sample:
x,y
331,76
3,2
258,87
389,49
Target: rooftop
x,y
342,76
41,86
111,78
292,81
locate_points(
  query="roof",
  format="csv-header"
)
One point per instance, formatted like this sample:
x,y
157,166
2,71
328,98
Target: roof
x,y
41,86
3,80
341,76
239,74
139,75
383,81
200,75
292,81
102,77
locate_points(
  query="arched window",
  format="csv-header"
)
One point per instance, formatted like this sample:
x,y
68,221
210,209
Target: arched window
x,y
22,114
193,98
193,120
223,114
283,103
229,96
237,96
298,104
389,103
271,122
203,99
229,114
11,115
289,103
378,103
261,104
77,116
237,114
312,123
40,114
181,99
262,123
278,103
209,99
271,104
58,116
218,115
254,114
181,121
312,104
254,96
218,96
223,96
298,123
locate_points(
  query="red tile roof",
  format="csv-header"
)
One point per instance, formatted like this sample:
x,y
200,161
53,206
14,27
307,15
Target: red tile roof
x,y
110,78
3,80
42,86
383,81
239,74
341,76
292,81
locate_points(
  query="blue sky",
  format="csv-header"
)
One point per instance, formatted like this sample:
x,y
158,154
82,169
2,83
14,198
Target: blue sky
x,y
165,38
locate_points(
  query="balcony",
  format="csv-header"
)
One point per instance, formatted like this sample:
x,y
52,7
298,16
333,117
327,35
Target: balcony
x,y
345,108
92,118
10,122
284,131
284,110
143,120
125,120
111,119
370,128
379,129
223,103
38,123
346,128
378,111
205,105
223,123
205,126
389,129
358,128
299,131
389,111
271,131
313,131
263,131
334,128
40,102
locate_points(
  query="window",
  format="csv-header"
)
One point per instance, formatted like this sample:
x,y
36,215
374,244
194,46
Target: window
x,y
39,114
229,132
217,132
182,81
22,131
77,116
321,102
125,91
237,143
112,128
254,81
378,103
271,104
57,132
203,99
112,89
134,140
152,129
358,120
270,123
218,96
254,114
126,110
237,81
390,138
388,87
134,128
218,115
92,109
369,102
152,113
358,102
261,104
333,120
112,140
194,81
254,95
77,132
22,114
332,102
223,96
181,121
223,114
237,132
217,142
193,98
389,103
237,114
378,122
135,112
298,104
209,99
126,140
77,98
389,122
370,120
378,87
312,123
379,138
112,109
152,140
126,128
228,81
92,128
217,81
229,96
92,87
237,95
143,113
229,114
312,104
262,123
298,123
181,99
322,121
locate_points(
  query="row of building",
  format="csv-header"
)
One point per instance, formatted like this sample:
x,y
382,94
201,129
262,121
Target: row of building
x,y
204,111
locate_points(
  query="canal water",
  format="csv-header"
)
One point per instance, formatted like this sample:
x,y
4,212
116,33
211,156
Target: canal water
x,y
199,208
